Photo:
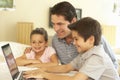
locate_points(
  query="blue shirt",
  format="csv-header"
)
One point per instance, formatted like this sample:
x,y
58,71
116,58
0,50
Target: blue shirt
x,y
66,52
109,51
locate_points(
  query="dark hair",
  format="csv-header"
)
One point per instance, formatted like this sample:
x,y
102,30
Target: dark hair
x,y
40,31
87,27
65,9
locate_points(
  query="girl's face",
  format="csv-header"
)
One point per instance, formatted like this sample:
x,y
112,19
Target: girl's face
x,y
81,45
38,43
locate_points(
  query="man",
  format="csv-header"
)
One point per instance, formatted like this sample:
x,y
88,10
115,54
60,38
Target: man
x,y
63,14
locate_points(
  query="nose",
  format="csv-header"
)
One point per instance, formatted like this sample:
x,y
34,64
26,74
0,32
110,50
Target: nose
x,y
37,44
74,42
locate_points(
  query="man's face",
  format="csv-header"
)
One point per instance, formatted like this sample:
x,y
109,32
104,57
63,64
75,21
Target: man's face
x,y
60,26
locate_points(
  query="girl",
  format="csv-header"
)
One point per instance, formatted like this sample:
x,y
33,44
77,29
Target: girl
x,y
40,54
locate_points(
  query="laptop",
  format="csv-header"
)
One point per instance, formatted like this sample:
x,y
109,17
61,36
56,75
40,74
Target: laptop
x,y
10,60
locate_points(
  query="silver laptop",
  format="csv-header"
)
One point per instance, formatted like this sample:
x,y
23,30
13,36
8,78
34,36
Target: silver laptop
x,y
10,60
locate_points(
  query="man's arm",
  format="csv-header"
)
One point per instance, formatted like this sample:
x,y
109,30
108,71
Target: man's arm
x,y
109,51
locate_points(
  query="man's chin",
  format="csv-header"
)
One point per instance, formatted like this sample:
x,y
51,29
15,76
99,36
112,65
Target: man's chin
x,y
61,36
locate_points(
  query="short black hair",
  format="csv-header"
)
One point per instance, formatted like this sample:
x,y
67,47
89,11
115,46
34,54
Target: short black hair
x,y
64,9
87,27
40,31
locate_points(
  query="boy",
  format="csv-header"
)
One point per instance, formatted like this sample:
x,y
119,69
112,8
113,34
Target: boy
x,y
92,63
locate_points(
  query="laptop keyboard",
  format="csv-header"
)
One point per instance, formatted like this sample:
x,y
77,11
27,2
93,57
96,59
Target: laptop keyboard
x,y
16,75
22,78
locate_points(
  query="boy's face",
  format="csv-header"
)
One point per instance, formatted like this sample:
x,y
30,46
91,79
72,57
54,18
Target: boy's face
x,y
60,26
81,45
38,43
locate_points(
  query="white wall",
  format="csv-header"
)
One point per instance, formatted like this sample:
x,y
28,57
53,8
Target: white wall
x,y
37,11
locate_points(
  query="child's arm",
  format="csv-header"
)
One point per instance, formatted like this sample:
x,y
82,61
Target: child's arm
x,y
53,59
23,61
46,73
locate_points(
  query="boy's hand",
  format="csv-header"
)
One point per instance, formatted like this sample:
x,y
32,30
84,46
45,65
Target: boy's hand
x,y
27,50
34,74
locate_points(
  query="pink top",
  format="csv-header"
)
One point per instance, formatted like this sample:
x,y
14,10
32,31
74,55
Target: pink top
x,y
49,51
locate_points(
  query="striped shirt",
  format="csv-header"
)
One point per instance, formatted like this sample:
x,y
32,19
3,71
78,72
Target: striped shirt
x,y
66,52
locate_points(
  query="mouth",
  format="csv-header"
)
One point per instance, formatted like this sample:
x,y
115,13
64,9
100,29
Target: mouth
x,y
77,47
60,33
37,48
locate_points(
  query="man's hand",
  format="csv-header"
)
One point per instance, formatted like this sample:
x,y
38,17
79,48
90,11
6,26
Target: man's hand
x,y
27,50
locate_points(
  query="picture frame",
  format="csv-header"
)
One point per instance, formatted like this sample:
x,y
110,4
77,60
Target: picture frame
x,y
78,12
7,5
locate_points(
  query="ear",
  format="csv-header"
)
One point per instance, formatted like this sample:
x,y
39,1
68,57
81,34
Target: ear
x,y
91,40
74,20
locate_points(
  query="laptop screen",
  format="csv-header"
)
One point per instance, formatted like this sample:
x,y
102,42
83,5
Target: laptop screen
x,y
10,59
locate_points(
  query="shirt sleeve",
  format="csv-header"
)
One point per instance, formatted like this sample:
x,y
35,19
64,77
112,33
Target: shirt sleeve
x,y
51,51
74,62
93,67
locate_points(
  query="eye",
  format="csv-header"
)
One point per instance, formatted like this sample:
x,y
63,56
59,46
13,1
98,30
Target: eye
x,y
60,24
40,42
33,42
75,39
